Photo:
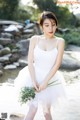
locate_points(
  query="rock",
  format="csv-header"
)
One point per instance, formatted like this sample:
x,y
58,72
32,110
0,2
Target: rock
x,y
5,51
23,46
16,116
14,57
1,47
73,48
28,26
37,29
4,59
1,65
72,76
6,35
1,72
11,28
28,31
16,63
16,50
69,62
5,41
75,55
10,67
27,36
23,63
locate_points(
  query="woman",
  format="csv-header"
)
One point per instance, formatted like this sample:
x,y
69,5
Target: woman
x,y
44,59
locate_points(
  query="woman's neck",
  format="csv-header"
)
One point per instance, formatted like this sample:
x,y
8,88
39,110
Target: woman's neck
x,y
48,38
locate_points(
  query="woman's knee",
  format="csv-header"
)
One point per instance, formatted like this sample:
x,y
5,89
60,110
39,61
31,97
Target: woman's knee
x,y
31,113
46,113
46,110
33,108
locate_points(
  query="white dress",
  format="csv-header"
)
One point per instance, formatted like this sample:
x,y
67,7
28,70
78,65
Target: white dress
x,y
43,62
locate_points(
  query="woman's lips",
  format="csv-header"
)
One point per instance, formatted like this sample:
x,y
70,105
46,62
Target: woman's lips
x,y
51,32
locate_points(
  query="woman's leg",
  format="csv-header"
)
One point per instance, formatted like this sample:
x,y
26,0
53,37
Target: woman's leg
x,y
31,113
47,112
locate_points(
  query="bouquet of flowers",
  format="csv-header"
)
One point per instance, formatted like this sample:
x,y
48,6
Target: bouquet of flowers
x,y
28,93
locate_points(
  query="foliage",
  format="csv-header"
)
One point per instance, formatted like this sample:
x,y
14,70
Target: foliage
x,y
22,15
34,13
72,38
46,5
28,93
8,8
65,18
62,13
29,13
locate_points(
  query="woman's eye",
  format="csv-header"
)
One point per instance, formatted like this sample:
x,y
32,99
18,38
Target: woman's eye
x,y
46,25
53,25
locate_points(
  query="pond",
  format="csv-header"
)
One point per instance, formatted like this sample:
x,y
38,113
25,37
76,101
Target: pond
x,y
9,75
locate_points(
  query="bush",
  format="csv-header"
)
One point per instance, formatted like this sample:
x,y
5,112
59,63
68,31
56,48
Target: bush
x,y
72,38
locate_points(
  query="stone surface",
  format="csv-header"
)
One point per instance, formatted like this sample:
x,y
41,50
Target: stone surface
x,y
1,72
5,41
23,63
73,48
11,66
71,60
5,51
23,46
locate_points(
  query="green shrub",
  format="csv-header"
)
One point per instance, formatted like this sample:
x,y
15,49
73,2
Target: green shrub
x,y
72,38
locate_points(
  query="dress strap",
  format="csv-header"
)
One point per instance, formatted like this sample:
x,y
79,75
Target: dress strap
x,y
57,43
37,40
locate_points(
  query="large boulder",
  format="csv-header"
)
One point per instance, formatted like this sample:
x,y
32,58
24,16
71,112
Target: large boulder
x,y
11,66
5,51
5,41
14,57
69,62
6,35
23,46
5,59
73,48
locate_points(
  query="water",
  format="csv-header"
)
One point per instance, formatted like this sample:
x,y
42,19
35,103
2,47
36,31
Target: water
x,y
9,75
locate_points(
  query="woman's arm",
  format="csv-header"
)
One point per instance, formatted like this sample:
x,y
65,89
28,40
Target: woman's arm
x,y
31,60
56,66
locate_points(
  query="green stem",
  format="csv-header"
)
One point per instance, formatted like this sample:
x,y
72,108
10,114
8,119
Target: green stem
x,y
53,84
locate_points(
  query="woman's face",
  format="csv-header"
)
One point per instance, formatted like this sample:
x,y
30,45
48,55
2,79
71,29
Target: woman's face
x,y
49,27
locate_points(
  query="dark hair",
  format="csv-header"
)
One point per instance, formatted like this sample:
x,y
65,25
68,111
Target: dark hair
x,y
47,15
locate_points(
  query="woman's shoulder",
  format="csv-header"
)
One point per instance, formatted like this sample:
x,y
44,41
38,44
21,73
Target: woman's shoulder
x,y
60,39
35,38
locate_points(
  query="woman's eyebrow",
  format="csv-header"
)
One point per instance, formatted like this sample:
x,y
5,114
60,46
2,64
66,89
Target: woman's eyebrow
x,y
51,22
46,23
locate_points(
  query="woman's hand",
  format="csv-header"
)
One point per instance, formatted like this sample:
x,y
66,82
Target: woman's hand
x,y
43,85
36,86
